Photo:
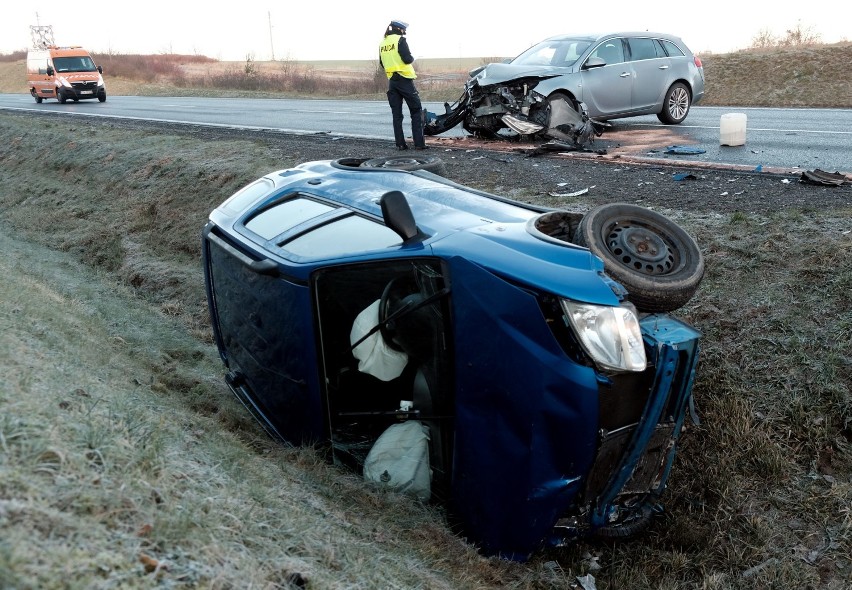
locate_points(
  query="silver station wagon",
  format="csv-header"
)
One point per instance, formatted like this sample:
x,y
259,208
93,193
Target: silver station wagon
x,y
604,77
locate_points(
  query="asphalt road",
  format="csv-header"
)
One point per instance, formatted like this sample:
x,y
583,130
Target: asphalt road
x,y
775,138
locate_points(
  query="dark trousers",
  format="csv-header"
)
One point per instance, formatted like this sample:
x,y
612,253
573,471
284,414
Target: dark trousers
x,y
401,89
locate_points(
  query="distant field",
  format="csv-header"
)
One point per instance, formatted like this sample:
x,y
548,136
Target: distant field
x,y
803,76
13,79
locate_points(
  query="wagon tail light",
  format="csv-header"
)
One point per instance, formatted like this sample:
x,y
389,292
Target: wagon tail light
x,y
697,62
611,336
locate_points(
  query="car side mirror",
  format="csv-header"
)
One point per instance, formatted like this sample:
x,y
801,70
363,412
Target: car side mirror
x,y
398,216
50,71
594,62
100,70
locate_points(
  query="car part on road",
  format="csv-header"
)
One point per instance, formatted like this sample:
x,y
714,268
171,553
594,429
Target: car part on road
x,y
658,263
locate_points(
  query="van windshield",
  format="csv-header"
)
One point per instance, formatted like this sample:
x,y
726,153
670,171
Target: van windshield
x,y
77,63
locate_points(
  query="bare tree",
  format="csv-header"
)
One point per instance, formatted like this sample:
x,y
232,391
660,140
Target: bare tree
x,y
801,35
764,39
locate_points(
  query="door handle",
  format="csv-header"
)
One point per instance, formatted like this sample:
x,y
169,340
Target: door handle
x,y
664,67
624,74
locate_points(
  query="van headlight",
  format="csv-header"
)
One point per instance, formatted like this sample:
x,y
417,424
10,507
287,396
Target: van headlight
x,y
610,335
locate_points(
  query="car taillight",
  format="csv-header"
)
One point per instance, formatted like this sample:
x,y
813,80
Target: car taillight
x,y
697,62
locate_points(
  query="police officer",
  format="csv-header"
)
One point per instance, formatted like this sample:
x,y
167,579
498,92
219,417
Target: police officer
x,y
395,57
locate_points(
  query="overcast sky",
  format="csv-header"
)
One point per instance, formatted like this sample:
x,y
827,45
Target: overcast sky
x,y
334,29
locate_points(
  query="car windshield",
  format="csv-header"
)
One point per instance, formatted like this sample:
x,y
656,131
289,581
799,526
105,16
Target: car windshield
x,y
82,63
560,52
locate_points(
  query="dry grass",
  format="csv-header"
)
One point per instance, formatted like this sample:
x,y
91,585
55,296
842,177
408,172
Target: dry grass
x,y
125,462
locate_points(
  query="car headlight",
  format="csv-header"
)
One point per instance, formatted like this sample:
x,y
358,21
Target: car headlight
x,y
610,335
65,82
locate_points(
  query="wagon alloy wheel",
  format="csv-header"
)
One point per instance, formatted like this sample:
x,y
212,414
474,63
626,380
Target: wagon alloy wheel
x,y
676,104
658,263
410,163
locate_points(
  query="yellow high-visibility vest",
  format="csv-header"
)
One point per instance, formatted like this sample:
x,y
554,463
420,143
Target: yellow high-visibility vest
x,y
392,61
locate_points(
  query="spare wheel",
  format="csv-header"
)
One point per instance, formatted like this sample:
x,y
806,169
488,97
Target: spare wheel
x,y
410,163
658,262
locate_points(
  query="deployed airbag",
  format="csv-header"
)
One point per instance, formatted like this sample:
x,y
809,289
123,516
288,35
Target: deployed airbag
x,y
374,356
399,460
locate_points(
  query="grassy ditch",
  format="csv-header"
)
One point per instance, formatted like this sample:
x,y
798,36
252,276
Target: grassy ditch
x,y
124,462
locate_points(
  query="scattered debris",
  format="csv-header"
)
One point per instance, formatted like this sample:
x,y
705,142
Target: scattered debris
x,y
574,194
556,145
684,176
824,178
591,561
759,168
684,150
587,582
756,569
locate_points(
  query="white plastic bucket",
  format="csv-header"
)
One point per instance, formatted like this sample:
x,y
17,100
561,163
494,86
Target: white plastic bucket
x,y
732,129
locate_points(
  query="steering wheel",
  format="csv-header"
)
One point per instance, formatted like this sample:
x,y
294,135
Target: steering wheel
x,y
386,328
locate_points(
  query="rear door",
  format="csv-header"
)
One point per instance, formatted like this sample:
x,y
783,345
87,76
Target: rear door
x,y
651,73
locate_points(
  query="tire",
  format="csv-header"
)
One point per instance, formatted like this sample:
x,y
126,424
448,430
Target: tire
x,y
37,98
409,163
675,105
632,526
658,263
102,97
60,96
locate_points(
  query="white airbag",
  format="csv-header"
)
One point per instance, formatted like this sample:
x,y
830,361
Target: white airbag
x,y
374,356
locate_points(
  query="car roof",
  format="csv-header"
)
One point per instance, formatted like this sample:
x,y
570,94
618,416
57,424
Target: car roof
x,y
491,230
599,36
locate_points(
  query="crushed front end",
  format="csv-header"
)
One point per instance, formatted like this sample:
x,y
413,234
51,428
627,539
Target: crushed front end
x,y
513,109
641,419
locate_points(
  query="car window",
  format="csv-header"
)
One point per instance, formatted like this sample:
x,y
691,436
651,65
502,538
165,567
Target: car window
x,y
553,52
285,215
611,51
349,235
244,197
672,49
644,48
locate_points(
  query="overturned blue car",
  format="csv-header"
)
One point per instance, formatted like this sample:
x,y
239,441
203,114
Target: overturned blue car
x,y
516,364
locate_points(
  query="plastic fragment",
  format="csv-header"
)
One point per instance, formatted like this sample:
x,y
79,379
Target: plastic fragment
x,y
684,176
824,178
683,149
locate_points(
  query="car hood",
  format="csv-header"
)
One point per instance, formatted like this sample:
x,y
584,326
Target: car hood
x,y
498,73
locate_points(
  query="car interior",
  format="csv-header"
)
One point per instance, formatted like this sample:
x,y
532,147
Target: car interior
x,y
386,357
